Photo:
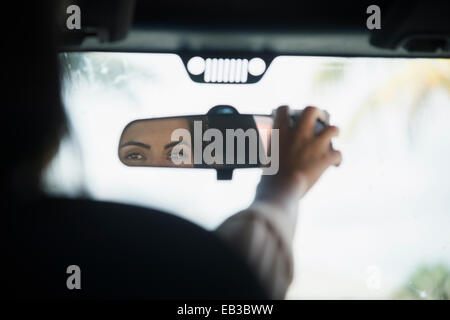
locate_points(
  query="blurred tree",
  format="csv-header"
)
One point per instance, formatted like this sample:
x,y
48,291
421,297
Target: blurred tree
x,y
415,79
106,70
331,73
427,282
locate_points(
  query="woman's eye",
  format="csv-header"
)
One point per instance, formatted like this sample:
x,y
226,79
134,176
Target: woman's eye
x,y
135,156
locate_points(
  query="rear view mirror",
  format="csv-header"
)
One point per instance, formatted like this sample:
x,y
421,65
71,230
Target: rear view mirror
x,y
223,140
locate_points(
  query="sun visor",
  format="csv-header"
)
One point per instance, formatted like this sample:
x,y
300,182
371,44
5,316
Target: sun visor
x,y
105,20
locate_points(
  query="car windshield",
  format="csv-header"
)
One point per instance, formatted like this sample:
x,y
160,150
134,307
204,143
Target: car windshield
x,y
376,227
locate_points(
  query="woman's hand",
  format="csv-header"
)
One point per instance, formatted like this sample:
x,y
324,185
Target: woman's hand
x,y
303,157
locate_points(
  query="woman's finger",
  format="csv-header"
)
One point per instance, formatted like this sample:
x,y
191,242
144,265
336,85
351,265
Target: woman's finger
x,y
282,122
304,128
325,136
334,158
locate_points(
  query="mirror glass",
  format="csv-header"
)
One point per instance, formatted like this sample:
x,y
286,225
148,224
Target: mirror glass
x,y
204,141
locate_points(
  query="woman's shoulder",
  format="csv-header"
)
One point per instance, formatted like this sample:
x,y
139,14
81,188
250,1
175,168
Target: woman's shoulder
x,y
123,251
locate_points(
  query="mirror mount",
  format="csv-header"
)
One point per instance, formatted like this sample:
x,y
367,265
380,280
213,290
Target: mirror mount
x,y
223,174
222,109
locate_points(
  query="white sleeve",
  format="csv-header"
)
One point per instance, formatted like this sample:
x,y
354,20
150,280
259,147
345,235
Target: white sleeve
x,y
263,235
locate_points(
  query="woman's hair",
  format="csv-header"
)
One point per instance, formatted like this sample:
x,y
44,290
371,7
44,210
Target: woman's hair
x,y
34,120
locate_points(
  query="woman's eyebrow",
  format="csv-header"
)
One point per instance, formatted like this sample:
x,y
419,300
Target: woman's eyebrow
x,y
174,143
135,143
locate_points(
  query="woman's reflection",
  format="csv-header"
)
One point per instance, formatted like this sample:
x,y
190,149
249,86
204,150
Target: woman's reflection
x,y
148,143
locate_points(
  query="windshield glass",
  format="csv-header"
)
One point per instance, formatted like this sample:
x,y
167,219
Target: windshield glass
x,y
376,227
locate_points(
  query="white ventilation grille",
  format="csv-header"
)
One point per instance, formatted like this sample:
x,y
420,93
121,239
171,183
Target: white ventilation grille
x,y
226,70
218,70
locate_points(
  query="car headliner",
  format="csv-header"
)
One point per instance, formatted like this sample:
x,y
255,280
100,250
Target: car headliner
x,y
262,27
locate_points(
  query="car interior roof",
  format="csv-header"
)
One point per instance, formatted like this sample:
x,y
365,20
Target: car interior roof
x,y
409,28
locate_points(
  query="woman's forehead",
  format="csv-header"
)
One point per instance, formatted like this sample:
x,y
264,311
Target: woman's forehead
x,y
157,127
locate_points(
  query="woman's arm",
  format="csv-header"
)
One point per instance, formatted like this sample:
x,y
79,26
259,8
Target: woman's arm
x,y
263,233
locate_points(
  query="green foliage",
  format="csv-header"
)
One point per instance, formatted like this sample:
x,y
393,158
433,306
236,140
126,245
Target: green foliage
x,y
427,283
332,73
